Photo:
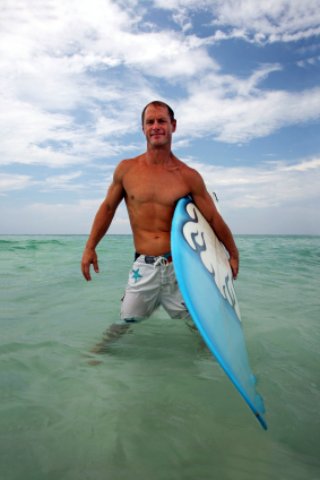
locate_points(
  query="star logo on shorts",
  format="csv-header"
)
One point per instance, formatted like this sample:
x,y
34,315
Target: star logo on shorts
x,y
136,275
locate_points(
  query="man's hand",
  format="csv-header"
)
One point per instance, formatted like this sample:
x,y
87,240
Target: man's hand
x,y
89,257
234,264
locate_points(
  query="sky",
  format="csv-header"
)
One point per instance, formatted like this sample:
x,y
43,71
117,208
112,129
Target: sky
x,y
243,77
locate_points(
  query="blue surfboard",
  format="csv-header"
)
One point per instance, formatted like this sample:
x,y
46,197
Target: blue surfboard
x,y
205,279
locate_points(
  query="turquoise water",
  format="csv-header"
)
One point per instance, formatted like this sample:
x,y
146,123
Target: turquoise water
x,y
157,406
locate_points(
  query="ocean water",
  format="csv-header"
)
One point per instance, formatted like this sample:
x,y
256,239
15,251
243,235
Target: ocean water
x,y
156,406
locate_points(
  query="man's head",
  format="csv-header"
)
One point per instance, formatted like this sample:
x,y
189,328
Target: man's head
x,y
158,124
158,103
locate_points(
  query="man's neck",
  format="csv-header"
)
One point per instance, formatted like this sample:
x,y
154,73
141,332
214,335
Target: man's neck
x,y
158,155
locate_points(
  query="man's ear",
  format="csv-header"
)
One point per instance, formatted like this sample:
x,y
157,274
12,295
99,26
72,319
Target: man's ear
x,y
174,125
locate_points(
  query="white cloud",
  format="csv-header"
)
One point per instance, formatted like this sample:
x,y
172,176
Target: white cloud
x,y
273,184
9,182
63,182
33,136
78,36
234,110
57,218
275,20
24,127
303,166
310,61
57,110
165,54
62,97
263,21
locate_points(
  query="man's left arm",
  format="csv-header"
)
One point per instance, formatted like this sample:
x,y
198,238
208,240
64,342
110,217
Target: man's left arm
x,y
208,209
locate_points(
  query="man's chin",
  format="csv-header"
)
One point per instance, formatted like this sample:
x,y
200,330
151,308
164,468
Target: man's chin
x,y
158,142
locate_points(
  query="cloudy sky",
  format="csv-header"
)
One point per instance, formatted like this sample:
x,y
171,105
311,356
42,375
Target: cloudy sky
x,y
243,79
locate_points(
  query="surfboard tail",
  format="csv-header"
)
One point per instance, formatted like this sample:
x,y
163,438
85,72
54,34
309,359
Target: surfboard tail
x,y
262,421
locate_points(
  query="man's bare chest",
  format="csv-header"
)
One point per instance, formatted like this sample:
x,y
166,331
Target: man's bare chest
x,y
155,185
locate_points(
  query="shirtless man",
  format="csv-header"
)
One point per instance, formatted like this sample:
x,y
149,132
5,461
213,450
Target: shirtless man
x,y
151,184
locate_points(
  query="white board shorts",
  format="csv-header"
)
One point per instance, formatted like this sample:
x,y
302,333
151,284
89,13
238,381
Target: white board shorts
x,y
149,286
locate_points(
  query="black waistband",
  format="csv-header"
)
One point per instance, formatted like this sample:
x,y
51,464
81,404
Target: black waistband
x,y
151,259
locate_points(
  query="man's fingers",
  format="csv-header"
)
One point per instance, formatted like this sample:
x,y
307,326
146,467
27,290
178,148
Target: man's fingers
x,y
89,258
234,264
87,274
86,271
95,265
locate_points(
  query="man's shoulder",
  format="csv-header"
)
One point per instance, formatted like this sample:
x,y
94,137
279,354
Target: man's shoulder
x,y
186,170
127,164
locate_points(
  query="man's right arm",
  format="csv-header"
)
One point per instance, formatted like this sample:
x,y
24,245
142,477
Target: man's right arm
x,y
102,222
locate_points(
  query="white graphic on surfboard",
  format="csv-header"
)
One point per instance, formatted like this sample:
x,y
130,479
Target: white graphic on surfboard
x,y
203,240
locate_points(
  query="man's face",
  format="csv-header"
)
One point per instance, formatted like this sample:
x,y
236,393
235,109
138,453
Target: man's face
x,y
157,126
